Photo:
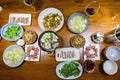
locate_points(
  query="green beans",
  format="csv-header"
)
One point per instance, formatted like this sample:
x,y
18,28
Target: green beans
x,y
12,32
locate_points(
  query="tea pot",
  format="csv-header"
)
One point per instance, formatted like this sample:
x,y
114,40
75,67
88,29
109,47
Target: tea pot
x,y
113,38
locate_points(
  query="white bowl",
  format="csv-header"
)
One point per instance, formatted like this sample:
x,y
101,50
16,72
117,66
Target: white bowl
x,y
7,60
70,23
110,67
113,53
6,26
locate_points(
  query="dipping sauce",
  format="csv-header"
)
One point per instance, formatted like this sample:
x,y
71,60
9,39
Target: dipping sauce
x,y
89,66
77,41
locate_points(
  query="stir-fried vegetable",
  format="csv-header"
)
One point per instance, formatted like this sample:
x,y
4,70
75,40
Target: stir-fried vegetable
x,y
12,32
52,20
70,69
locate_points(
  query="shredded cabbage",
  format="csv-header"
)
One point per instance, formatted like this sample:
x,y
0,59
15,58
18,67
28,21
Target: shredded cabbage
x,y
14,56
78,23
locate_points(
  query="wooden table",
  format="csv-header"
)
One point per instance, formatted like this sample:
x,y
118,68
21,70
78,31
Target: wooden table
x,y
45,68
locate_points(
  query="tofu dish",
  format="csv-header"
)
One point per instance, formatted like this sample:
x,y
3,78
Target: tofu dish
x,y
49,41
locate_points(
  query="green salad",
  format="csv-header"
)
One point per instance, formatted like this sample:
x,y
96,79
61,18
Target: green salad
x,y
12,31
70,69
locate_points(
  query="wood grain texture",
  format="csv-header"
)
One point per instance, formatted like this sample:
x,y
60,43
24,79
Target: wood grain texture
x,y
45,68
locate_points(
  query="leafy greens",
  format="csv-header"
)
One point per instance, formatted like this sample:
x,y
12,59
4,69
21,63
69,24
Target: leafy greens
x,y
12,32
70,69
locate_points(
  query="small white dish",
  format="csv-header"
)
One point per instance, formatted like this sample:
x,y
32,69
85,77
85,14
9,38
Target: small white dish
x,y
59,66
113,53
110,67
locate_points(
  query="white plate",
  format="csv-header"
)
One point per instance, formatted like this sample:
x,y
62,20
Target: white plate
x,y
9,49
22,19
46,12
59,66
67,54
98,52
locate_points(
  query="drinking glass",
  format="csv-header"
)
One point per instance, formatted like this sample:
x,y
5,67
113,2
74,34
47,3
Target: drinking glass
x,y
30,3
92,8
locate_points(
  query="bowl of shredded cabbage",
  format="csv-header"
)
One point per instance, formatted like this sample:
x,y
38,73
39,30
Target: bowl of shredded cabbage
x,y
13,56
77,23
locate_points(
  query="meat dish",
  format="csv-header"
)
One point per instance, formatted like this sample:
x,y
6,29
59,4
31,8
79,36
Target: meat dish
x,y
91,51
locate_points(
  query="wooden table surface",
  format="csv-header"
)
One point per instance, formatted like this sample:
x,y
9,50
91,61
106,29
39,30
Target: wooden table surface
x,y
45,68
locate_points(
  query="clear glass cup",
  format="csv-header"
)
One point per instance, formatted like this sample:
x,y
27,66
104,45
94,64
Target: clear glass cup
x,y
92,8
115,16
30,3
